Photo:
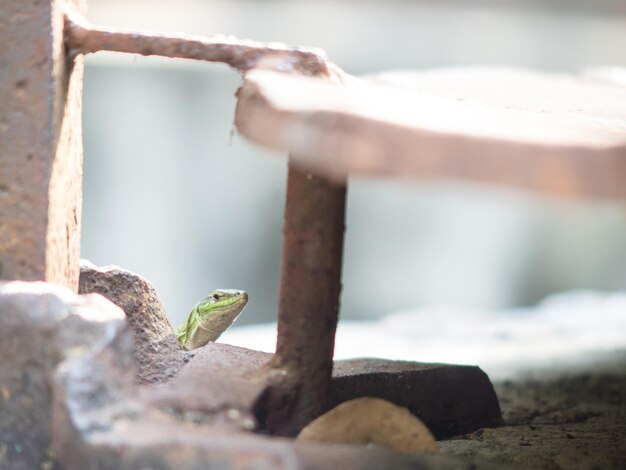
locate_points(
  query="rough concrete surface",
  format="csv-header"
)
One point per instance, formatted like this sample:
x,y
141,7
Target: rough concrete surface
x,y
156,348
40,325
566,420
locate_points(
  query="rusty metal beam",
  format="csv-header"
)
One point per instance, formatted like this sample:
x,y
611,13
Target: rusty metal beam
x,y
243,55
309,300
40,144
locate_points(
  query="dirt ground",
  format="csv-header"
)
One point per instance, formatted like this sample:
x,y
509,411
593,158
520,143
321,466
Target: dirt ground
x,y
556,419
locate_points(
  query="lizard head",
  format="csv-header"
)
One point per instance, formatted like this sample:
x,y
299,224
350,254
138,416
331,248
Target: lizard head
x,y
210,317
226,304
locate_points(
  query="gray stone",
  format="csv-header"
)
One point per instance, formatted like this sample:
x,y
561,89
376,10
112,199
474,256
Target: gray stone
x,y
157,351
40,324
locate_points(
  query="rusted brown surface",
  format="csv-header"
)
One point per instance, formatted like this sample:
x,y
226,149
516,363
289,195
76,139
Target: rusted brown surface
x,y
40,145
556,134
309,300
240,54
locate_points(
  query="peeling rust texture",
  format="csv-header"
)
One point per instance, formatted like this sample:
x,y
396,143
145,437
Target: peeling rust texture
x,y
40,145
309,300
243,55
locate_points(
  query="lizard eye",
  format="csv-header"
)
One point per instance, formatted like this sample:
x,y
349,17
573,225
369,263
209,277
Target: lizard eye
x,y
216,297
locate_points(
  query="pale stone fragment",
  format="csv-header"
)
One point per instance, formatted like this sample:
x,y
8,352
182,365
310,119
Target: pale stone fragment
x,y
370,420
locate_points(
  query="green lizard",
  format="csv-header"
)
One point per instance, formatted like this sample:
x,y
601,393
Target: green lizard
x,y
210,317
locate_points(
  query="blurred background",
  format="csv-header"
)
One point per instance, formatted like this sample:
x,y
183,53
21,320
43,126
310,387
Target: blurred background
x,y
172,194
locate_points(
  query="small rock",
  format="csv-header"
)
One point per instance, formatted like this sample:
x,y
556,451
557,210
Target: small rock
x,y
372,421
158,353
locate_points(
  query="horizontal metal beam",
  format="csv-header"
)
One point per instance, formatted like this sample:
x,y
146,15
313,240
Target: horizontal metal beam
x,y
243,55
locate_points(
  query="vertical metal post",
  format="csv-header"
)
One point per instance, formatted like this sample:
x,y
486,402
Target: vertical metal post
x,y
40,144
309,300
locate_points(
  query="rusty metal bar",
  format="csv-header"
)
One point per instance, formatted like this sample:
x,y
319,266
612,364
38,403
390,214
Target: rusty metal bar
x,y
243,55
309,299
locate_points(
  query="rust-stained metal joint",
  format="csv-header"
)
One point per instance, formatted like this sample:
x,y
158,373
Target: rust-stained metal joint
x,y
83,38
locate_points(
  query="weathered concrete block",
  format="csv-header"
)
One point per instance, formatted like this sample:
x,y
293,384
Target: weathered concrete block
x,y
450,399
104,420
156,348
40,324
40,144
